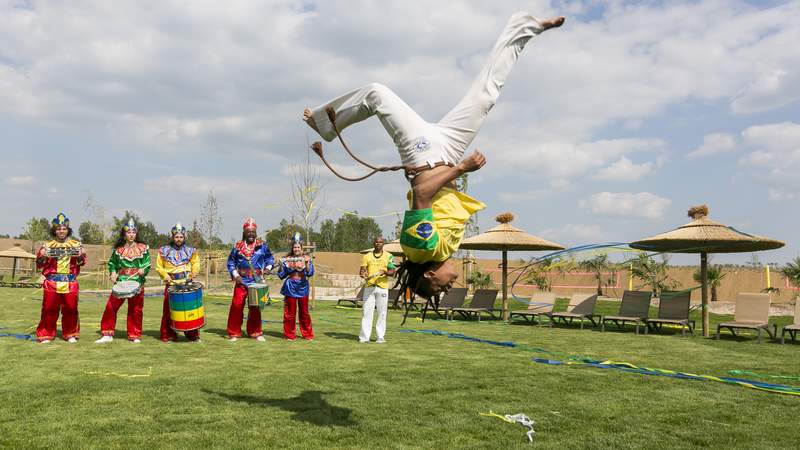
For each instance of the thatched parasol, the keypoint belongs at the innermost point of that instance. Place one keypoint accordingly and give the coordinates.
(16, 252)
(392, 247)
(505, 237)
(703, 235)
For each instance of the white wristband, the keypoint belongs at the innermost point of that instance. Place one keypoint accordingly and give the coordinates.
(235, 273)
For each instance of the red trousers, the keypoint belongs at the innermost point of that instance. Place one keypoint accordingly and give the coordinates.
(290, 312)
(135, 313)
(236, 315)
(52, 304)
(167, 333)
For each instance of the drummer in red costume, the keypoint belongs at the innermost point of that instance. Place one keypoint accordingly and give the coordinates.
(249, 261)
(177, 263)
(60, 261)
(130, 261)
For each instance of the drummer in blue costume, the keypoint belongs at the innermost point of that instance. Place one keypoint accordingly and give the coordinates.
(177, 263)
(250, 260)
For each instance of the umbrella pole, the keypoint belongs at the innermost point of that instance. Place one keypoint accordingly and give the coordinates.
(505, 289)
(704, 291)
(13, 269)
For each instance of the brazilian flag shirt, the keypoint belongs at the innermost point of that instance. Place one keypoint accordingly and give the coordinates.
(433, 234)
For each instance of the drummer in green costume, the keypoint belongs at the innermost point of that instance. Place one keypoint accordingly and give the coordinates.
(130, 261)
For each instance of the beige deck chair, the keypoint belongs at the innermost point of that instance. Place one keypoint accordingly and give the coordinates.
(673, 309)
(581, 306)
(634, 308)
(792, 329)
(355, 301)
(541, 304)
(482, 301)
(454, 298)
(752, 312)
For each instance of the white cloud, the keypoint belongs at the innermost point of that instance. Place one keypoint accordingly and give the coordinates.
(713, 144)
(16, 181)
(572, 234)
(642, 205)
(523, 196)
(624, 170)
(774, 158)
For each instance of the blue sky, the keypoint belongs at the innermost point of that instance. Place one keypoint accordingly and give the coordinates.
(608, 129)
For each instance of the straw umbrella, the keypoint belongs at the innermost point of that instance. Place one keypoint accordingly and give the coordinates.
(16, 252)
(505, 237)
(704, 236)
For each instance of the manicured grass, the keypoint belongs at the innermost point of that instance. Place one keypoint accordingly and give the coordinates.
(416, 391)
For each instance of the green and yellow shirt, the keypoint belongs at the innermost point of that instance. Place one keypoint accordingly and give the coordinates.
(374, 266)
(433, 234)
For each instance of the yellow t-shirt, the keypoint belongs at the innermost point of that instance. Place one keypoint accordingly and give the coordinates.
(375, 265)
(435, 233)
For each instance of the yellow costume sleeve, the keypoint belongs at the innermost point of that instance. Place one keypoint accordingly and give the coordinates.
(160, 268)
(194, 264)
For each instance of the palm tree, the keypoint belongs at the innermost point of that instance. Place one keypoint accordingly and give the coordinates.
(714, 276)
(599, 266)
(653, 273)
(792, 272)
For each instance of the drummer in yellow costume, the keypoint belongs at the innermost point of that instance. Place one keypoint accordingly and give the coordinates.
(177, 263)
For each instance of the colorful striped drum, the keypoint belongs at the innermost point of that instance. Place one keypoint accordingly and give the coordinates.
(186, 307)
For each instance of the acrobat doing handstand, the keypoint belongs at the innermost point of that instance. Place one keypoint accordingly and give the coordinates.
(431, 155)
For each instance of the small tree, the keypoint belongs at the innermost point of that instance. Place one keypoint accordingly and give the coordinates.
(653, 273)
(792, 272)
(91, 233)
(210, 221)
(37, 229)
(602, 269)
(714, 276)
(479, 280)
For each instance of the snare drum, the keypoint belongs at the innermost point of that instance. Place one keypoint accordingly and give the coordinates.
(186, 306)
(257, 295)
(126, 289)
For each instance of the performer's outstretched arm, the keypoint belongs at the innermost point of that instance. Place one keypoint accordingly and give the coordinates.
(428, 183)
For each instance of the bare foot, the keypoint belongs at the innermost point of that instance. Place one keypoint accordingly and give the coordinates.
(309, 120)
(552, 23)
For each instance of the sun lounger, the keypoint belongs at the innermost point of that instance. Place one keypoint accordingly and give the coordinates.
(581, 306)
(482, 301)
(454, 298)
(355, 301)
(792, 329)
(541, 304)
(752, 312)
(673, 309)
(634, 308)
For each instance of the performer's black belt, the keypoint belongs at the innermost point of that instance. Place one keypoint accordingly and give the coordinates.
(178, 275)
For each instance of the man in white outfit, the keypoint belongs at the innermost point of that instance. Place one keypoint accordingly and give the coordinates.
(375, 267)
(431, 153)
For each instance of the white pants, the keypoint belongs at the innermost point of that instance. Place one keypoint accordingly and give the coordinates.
(374, 296)
(420, 142)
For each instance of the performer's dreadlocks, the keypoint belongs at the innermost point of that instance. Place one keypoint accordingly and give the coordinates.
(412, 275)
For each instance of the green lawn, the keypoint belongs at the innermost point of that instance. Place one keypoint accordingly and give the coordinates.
(416, 391)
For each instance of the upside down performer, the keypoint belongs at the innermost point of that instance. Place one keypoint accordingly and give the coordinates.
(130, 261)
(177, 263)
(60, 261)
(431, 155)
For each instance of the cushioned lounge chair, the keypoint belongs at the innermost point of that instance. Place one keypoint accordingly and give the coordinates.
(482, 302)
(581, 306)
(793, 328)
(751, 313)
(634, 308)
(673, 309)
(541, 304)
